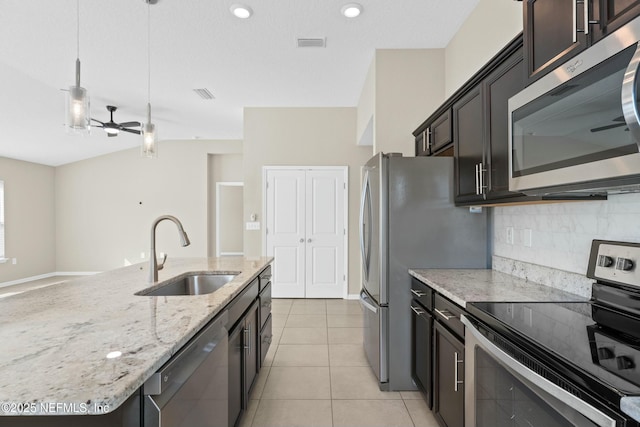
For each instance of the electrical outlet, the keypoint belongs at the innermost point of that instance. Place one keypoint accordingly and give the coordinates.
(509, 235)
(142, 255)
(253, 225)
(14, 261)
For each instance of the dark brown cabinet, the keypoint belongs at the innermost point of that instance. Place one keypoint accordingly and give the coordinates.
(556, 30)
(448, 405)
(421, 342)
(481, 134)
(468, 139)
(553, 32)
(504, 82)
(435, 135)
(249, 339)
(612, 14)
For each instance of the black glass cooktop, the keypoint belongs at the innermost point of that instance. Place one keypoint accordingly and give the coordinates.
(593, 344)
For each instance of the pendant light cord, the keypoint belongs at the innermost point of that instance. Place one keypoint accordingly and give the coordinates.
(148, 61)
(78, 29)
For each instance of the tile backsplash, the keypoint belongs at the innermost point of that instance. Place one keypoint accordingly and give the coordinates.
(559, 235)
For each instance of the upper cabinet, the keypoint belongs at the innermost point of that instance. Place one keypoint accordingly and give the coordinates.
(556, 30)
(435, 136)
(480, 127)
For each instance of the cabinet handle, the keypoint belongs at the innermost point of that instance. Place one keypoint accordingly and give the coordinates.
(429, 138)
(419, 294)
(424, 141)
(247, 338)
(587, 22)
(456, 381)
(417, 310)
(575, 21)
(481, 171)
(446, 314)
(477, 181)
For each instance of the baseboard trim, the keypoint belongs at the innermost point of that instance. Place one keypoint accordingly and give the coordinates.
(353, 296)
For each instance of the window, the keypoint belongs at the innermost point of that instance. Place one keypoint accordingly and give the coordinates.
(1, 220)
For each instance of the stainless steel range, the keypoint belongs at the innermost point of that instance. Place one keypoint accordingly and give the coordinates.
(560, 364)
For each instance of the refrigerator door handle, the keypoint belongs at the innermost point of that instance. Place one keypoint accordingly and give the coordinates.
(369, 226)
(363, 251)
(364, 300)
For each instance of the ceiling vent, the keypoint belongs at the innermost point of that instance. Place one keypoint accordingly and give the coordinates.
(204, 93)
(302, 42)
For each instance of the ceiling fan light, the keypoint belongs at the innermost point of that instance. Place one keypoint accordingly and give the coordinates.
(241, 11)
(351, 10)
(111, 131)
(149, 140)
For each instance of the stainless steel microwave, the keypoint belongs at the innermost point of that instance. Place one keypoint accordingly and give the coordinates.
(578, 128)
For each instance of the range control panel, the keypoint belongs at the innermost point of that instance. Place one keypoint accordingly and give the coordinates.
(616, 356)
(617, 262)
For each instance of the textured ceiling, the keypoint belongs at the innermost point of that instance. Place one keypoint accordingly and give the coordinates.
(194, 44)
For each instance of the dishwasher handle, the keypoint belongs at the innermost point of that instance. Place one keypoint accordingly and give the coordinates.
(172, 374)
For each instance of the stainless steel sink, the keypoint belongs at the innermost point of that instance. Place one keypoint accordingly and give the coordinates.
(191, 284)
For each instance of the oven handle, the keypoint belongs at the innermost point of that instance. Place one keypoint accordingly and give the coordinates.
(562, 395)
(628, 96)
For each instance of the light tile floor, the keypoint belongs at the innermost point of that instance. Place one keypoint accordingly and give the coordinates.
(316, 374)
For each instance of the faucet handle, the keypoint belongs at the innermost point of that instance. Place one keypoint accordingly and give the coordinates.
(161, 265)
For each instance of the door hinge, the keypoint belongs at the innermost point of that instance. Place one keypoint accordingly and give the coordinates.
(267, 184)
(344, 185)
(344, 277)
(344, 231)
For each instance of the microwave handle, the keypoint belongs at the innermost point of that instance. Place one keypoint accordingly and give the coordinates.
(628, 96)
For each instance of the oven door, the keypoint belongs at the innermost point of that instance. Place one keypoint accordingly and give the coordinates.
(500, 391)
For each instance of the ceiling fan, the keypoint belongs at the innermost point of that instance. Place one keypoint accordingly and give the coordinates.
(112, 128)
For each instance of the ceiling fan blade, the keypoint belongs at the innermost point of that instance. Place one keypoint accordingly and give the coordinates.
(96, 120)
(601, 128)
(129, 124)
(137, 132)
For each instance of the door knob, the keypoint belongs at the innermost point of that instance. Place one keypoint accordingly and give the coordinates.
(309, 241)
(301, 240)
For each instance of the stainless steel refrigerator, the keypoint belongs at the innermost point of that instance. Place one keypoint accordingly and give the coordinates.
(408, 220)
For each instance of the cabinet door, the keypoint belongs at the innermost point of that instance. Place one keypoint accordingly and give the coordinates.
(612, 15)
(499, 86)
(448, 406)
(421, 144)
(421, 355)
(236, 349)
(251, 350)
(553, 32)
(468, 140)
(440, 132)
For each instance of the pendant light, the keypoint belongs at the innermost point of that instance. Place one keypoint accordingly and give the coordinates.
(149, 134)
(77, 100)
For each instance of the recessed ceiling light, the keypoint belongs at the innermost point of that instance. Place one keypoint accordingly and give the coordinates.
(114, 354)
(351, 10)
(241, 11)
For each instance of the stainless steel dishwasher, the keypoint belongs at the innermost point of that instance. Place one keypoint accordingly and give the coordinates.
(191, 389)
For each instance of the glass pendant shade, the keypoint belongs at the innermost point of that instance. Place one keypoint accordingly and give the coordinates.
(149, 137)
(77, 107)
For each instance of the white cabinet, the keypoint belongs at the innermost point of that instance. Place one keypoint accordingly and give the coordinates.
(306, 231)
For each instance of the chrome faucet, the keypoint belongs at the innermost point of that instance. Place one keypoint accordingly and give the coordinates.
(153, 262)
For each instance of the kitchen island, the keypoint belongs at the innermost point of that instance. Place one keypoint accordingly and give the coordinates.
(86, 346)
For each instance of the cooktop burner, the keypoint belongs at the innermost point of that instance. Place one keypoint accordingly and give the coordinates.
(597, 342)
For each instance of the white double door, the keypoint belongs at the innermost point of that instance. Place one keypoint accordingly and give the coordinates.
(305, 231)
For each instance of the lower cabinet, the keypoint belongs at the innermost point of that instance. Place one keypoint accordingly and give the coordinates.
(448, 384)
(249, 340)
(422, 322)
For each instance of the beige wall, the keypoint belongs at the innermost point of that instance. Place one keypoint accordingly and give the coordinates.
(105, 205)
(222, 167)
(30, 219)
(367, 108)
(305, 137)
(409, 87)
(491, 25)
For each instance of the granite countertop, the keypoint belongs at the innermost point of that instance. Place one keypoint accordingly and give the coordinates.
(55, 340)
(474, 285)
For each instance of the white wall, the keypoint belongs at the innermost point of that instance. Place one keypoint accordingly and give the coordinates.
(105, 205)
(491, 25)
(222, 167)
(303, 137)
(409, 86)
(29, 219)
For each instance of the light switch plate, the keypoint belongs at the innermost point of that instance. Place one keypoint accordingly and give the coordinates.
(253, 225)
